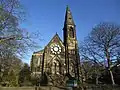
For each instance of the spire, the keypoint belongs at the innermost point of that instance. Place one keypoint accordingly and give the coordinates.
(68, 17)
(67, 8)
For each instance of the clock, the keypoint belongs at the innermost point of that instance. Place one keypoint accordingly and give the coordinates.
(55, 49)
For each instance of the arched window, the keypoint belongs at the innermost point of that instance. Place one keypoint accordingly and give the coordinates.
(60, 68)
(57, 67)
(71, 32)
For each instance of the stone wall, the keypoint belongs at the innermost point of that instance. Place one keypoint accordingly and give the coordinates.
(56, 88)
(17, 88)
(31, 88)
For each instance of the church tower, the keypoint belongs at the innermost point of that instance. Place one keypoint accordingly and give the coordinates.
(71, 44)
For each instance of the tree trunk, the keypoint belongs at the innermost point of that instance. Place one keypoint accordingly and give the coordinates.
(112, 78)
(96, 80)
(109, 63)
(96, 73)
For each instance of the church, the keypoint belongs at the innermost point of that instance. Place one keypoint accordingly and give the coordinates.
(59, 60)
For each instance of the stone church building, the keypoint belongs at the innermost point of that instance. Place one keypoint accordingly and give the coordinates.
(59, 59)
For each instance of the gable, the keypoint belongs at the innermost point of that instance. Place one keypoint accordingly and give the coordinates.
(56, 40)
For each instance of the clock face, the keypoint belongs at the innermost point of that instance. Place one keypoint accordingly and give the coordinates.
(55, 49)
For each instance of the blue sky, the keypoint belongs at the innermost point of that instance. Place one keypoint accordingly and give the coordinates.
(47, 17)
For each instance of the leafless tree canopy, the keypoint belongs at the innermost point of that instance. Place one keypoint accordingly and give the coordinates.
(103, 40)
(103, 45)
(13, 38)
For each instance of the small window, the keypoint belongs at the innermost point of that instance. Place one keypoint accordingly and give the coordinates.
(71, 32)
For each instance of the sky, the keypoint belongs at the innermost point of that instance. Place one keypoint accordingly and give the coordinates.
(47, 17)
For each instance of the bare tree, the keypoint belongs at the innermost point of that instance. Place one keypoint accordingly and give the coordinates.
(103, 45)
(14, 40)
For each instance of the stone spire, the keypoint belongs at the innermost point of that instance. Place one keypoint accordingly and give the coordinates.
(68, 17)
(69, 31)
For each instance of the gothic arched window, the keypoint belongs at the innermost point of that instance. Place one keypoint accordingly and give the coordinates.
(71, 32)
(57, 67)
